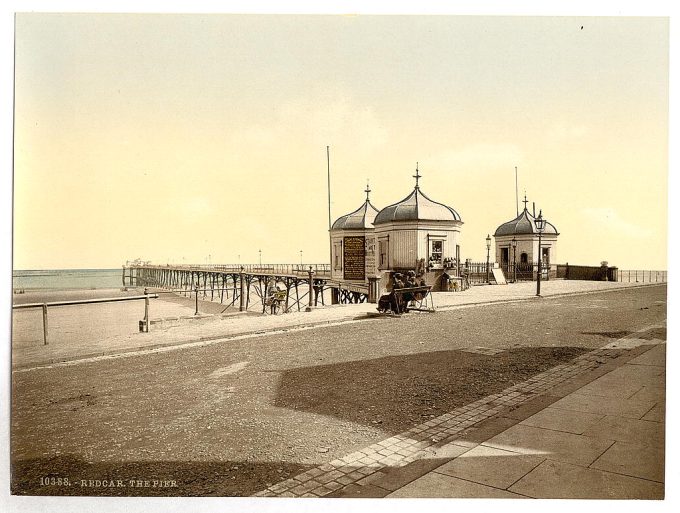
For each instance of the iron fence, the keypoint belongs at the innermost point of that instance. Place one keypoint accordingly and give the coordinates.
(520, 271)
(641, 276)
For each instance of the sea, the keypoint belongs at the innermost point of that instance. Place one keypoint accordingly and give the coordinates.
(67, 279)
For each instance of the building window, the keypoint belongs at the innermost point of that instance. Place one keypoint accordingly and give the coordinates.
(436, 252)
(337, 252)
(383, 247)
(545, 256)
(523, 258)
(504, 255)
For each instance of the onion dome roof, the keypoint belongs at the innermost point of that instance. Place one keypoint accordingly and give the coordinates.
(524, 224)
(417, 207)
(361, 219)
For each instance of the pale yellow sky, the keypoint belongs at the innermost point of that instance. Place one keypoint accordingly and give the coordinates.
(188, 137)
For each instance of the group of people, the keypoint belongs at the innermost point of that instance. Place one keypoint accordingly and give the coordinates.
(398, 301)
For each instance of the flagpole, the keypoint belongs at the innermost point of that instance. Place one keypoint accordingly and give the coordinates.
(330, 240)
(516, 193)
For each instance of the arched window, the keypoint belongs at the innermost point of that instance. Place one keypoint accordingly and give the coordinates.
(523, 258)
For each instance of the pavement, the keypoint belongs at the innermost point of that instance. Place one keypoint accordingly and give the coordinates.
(74, 344)
(592, 428)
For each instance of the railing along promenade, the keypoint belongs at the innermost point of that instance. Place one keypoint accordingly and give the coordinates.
(45, 306)
(642, 276)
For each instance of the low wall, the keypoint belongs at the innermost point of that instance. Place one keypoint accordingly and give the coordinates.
(586, 272)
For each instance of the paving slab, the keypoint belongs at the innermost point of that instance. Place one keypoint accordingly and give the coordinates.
(623, 429)
(559, 420)
(656, 414)
(650, 393)
(612, 386)
(655, 356)
(634, 408)
(560, 480)
(490, 466)
(643, 374)
(554, 445)
(636, 460)
(443, 486)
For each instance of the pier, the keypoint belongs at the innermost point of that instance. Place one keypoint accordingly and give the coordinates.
(303, 285)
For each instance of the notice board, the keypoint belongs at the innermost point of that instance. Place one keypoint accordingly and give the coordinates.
(499, 276)
(354, 258)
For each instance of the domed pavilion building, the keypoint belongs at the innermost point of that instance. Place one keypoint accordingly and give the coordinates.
(418, 233)
(353, 244)
(517, 244)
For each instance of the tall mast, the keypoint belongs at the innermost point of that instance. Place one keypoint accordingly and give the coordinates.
(516, 193)
(330, 240)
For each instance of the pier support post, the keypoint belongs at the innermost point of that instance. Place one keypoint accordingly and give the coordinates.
(311, 289)
(146, 310)
(44, 311)
(241, 296)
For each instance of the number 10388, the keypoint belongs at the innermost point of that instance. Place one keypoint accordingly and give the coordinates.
(54, 481)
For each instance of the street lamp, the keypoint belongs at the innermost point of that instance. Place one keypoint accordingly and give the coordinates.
(540, 226)
(514, 260)
(488, 249)
(300, 258)
(260, 251)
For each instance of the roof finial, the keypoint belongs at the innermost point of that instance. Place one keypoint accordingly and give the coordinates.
(417, 176)
(367, 190)
(525, 200)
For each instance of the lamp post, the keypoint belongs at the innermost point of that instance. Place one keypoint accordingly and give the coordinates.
(514, 260)
(260, 251)
(540, 225)
(488, 249)
(300, 258)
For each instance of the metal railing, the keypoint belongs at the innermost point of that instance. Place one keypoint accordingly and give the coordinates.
(72, 302)
(641, 276)
(280, 269)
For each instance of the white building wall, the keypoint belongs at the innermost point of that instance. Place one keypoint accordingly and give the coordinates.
(409, 242)
(526, 244)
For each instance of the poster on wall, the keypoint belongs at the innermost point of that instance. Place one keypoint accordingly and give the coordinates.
(354, 258)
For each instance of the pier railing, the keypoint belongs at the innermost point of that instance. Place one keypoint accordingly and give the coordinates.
(319, 270)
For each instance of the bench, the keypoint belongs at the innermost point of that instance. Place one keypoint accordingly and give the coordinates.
(274, 302)
(419, 297)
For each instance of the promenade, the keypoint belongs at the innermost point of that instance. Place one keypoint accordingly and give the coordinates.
(82, 340)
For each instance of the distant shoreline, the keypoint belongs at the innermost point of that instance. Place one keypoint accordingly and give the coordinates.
(66, 279)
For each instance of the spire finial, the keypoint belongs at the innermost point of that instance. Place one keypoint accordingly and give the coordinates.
(417, 176)
(367, 190)
(525, 200)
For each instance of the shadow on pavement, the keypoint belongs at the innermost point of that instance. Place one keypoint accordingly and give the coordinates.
(396, 392)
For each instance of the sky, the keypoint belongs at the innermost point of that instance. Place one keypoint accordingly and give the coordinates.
(202, 138)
